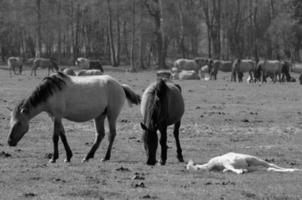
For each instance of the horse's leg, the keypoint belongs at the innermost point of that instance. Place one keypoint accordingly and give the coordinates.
(61, 130)
(55, 140)
(99, 135)
(112, 127)
(20, 69)
(178, 147)
(163, 144)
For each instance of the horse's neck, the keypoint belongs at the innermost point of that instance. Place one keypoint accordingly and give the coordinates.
(34, 111)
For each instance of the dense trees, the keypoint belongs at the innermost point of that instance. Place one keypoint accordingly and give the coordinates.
(142, 33)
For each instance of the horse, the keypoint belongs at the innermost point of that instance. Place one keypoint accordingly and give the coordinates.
(69, 72)
(162, 105)
(13, 63)
(272, 68)
(219, 65)
(163, 74)
(89, 72)
(239, 67)
(85, 63)
(48, 63)
(238, 163)
(187, 75)
(190, 64)
(285, 71)
(77, 99)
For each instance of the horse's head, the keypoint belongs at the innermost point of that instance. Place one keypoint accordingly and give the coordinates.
(150, 143)
(19, 124)
(155, 115)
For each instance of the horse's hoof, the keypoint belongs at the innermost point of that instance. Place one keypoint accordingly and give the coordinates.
(162, 163)
(104, 159)
(181, 159)
(84, 160)
(66, 160)
(52, 161)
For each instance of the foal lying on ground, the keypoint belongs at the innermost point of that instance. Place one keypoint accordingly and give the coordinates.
(238, 163)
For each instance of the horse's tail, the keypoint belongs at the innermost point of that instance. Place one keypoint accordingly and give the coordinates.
(131, 96)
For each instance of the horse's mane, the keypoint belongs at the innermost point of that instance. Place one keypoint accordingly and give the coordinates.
(154, 107)
(42, 92)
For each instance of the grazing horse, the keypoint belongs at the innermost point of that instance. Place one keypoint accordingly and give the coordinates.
(238, 163)
(162, 105)
(77, 99)
(89, 72)
(221, 65)
(285, 71)
(69, 72)
(272, 68)
(48, 63)
(89, 64)
(239, 67)
(13, 63)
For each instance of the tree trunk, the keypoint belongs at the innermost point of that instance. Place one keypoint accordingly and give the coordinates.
(156, 13)
(77, 32)
(110, 36)
(59, 50)
(38, 30)
(132, 52)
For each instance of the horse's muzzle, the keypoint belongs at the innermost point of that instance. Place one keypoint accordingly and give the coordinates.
(11, 143)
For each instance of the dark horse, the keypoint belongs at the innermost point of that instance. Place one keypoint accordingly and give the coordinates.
(162, 105)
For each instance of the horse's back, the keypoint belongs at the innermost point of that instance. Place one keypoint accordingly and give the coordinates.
(186, 64)
(13, 61)
(272, 66)
(88, 97)
(244, 65)
(225, 66)
(175, 101)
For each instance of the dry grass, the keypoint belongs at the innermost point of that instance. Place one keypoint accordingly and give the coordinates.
(263, 120)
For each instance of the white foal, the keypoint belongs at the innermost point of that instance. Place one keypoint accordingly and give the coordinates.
(238, 163)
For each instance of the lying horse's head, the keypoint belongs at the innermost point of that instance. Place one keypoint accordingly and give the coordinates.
(19, 124)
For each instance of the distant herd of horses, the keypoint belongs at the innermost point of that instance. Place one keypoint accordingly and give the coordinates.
(79, 98)
(93, 67)
(258, 71)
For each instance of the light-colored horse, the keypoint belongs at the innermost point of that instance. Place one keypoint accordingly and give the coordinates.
(69, 72)
(239, 67)
(163, 74)
(48, 63)
(77, 99)
(86, 63)
(187, 75)
(238, 163)
(162, 105)
(89, 72)
(13, 63)
(190, 64)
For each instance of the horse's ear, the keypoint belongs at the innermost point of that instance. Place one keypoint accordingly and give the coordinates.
(144, 127)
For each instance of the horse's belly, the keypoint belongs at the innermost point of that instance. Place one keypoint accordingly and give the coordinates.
(86, 106)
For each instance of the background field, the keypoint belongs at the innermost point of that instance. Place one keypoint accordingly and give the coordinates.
(262, 120)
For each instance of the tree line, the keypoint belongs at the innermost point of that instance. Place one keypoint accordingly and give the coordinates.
(142, 33)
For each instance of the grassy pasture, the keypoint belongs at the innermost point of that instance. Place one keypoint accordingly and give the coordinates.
(262, 120)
